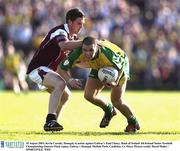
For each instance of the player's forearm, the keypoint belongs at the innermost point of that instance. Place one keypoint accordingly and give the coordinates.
(64, 74)
(69, 45)
(74, 83)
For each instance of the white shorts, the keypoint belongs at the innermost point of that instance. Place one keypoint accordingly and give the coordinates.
(37, 78)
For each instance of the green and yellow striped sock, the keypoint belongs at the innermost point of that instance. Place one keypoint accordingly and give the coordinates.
(108, 108)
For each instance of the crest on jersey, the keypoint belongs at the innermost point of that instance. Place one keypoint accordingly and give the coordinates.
(66, 62)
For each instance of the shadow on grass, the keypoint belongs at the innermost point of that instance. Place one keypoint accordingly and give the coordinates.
(87, 133)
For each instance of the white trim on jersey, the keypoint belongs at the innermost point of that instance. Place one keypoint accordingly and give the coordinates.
(58, 32)
(66, 28)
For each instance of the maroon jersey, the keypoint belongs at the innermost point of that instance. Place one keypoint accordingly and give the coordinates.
(49, 53)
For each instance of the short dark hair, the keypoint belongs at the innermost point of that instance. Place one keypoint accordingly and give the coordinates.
(89, 40)
(73, 14)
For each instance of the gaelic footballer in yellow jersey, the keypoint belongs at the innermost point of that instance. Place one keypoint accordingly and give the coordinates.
(96, 54)
(107, 55)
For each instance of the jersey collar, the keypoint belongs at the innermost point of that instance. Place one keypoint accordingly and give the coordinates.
(67, 30)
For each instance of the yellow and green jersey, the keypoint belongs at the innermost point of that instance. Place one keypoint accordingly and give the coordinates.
(109, 55)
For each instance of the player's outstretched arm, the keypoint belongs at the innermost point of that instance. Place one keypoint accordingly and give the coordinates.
(74, 83)
(69, 45)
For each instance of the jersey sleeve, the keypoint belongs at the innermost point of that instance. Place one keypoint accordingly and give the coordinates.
(59, 35)
(69, 62)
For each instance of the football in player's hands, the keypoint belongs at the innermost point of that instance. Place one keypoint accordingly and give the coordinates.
(108, 75)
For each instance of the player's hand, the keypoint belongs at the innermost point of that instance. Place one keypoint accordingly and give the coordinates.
(67, 52)
(75, 83)
(111, 85)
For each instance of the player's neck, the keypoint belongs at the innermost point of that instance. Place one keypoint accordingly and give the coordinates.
(70, 31)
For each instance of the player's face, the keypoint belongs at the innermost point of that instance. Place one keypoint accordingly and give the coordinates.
(76, 25)
(89, 51)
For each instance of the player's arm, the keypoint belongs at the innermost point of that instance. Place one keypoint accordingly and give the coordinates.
(69, 45)
(66, 65)
(117, 62)
(60, 36)
(120, 73)
(75, 83)
(114, 84)
(64, 74)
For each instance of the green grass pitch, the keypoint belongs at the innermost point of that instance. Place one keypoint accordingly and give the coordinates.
(22, 117)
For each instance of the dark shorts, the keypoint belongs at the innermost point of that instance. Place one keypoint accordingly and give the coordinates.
(94, 74)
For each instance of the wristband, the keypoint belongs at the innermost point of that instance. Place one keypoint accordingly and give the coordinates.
(70, 80)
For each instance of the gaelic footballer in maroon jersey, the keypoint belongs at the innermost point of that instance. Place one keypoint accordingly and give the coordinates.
(49, 53)
(42, 68)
